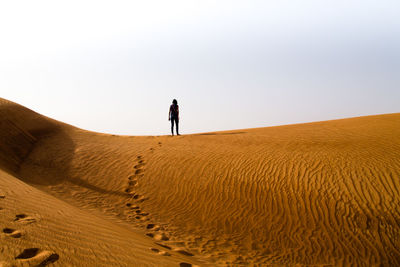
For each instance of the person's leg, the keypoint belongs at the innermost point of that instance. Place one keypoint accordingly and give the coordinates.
(177, 126)
(172, 126)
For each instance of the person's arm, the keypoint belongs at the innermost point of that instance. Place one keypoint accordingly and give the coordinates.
(177, 110)
(169, 114)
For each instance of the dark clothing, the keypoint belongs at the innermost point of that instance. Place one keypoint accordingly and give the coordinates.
(174, 117)
(174, 111)
(176, 120)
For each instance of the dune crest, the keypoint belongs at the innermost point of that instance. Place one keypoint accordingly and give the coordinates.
(323, 193)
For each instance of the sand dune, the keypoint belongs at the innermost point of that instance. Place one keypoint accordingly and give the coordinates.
(324, 193)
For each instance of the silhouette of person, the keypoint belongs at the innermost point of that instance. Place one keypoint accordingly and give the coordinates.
(173, 116)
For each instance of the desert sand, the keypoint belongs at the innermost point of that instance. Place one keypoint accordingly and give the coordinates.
(313, 194)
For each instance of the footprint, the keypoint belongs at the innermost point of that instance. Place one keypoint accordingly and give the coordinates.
(133, 183)
(184, 252)
(138, 212)
(52, 258)
(133, 178)
(141, 218)
(161, 237)
(134, 197)
(12, 232)
(152, 226)
(162, 253)
(138, 166)
(25, 219)
(130, 192)
(185, 264)
(139, 198)
(138, 171)
(37, 257)
(28, 253)
(162, 245)
(130, 205)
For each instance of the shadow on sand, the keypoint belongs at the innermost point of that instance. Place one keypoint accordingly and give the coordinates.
(38, 150)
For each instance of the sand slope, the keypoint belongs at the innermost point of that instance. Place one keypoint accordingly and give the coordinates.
(38, 229)
(52, 231)
(324, 193)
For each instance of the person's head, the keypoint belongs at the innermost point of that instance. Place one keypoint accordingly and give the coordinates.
(174, 102)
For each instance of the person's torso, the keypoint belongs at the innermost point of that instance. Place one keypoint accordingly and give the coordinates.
(174, 111)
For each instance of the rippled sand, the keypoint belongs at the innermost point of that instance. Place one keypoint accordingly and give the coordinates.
(323, 193)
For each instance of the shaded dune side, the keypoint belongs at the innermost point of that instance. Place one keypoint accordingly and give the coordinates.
(81, 168)
(29, 138)
(21, 128)
(318, 193)
(43, 152)
(19, 144)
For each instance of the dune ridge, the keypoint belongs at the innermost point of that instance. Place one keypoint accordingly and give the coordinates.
(323, 193)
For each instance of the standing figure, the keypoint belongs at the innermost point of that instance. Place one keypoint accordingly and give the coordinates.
(173, 116)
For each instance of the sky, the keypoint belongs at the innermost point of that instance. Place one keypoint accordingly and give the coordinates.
(115, 66)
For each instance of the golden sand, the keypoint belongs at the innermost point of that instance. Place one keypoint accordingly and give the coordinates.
(323, 193)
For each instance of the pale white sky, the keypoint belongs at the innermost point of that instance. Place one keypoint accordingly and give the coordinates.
(115, 66)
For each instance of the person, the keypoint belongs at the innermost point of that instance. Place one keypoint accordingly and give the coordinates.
(173, 116)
